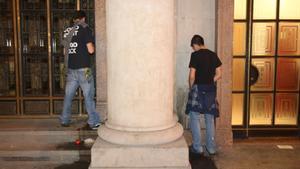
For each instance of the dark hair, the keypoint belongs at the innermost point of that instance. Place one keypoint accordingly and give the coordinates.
(197, 40)
(79, 15)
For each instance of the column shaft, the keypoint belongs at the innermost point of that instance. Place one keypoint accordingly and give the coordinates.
(140, 69)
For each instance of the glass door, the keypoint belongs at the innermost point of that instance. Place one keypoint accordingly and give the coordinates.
(266, 34)
(34, 56)
(8, 56)
(61, 18)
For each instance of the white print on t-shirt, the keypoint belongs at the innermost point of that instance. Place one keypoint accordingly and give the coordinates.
(68, 30)
(73, 45)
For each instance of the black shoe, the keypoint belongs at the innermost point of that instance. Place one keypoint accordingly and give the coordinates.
(210, 153)
(194, 152)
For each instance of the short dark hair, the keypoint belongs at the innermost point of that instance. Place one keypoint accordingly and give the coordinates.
(197, 40)
(79, 14)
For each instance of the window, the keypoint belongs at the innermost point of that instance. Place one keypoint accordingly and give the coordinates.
(289, 9)
(264, 9)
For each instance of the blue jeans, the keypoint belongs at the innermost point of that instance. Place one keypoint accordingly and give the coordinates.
(196, 132)
(76, 78)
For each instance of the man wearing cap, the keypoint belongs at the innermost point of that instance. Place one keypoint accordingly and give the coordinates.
(78, 42)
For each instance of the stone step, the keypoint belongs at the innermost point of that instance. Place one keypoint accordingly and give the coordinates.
(45, 149)
(39, 124)
(45, 157)
(43, 144)
(43, 165)
(43, 140)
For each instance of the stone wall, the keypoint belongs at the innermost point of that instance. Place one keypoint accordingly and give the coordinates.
(193, 17)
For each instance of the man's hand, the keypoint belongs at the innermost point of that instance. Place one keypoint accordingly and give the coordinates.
(90, 47)
(218, 74)
(192, 76)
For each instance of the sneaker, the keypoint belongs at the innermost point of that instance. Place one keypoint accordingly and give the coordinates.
(88, 127)
(95, 127)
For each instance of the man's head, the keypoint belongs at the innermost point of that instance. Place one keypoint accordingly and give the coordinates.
(79, 16)
(197, 42)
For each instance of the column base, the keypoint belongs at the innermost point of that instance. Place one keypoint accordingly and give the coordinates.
(174, 155)
(145, 138)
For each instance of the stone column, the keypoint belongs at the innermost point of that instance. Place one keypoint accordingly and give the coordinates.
(101, 70)
(224, 48)
(142, 130)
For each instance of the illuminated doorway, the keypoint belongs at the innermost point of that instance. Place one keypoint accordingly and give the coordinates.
(266, 67)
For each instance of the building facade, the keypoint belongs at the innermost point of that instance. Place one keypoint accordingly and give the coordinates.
(247, 37)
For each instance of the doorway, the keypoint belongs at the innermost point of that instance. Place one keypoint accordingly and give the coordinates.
(266, 67)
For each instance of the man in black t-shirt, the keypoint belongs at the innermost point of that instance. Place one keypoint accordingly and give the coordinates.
(205, 70)
(78, 49)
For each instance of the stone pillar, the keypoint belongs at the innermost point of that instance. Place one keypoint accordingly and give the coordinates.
(142, 130)
(101, 70)
(224, 49)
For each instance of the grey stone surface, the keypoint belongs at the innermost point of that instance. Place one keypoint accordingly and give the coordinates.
(49, 124)
(169, 156)
(49, 156)
(43, 143)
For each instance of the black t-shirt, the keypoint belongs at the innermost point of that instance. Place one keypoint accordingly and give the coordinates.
(79, 56)
(205, 62)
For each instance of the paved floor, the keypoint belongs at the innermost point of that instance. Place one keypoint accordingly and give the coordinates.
(42, 144)
(239, 156)
(260, 154)
(252, 153)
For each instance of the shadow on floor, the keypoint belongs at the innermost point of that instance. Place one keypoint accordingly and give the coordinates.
(76, 165)
(72, 146)
(202, 162)
(84, 159)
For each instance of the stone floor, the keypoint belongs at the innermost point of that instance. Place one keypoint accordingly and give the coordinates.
(260, 153)
(43, 144)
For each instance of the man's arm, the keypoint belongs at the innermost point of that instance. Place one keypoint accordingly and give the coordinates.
(218, 74)
(90, 47)
(192, 77)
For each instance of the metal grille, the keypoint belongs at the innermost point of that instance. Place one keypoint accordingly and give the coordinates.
(7, 50)
(33, 107)
(31, 56)
(58, 106)
(8, 107)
